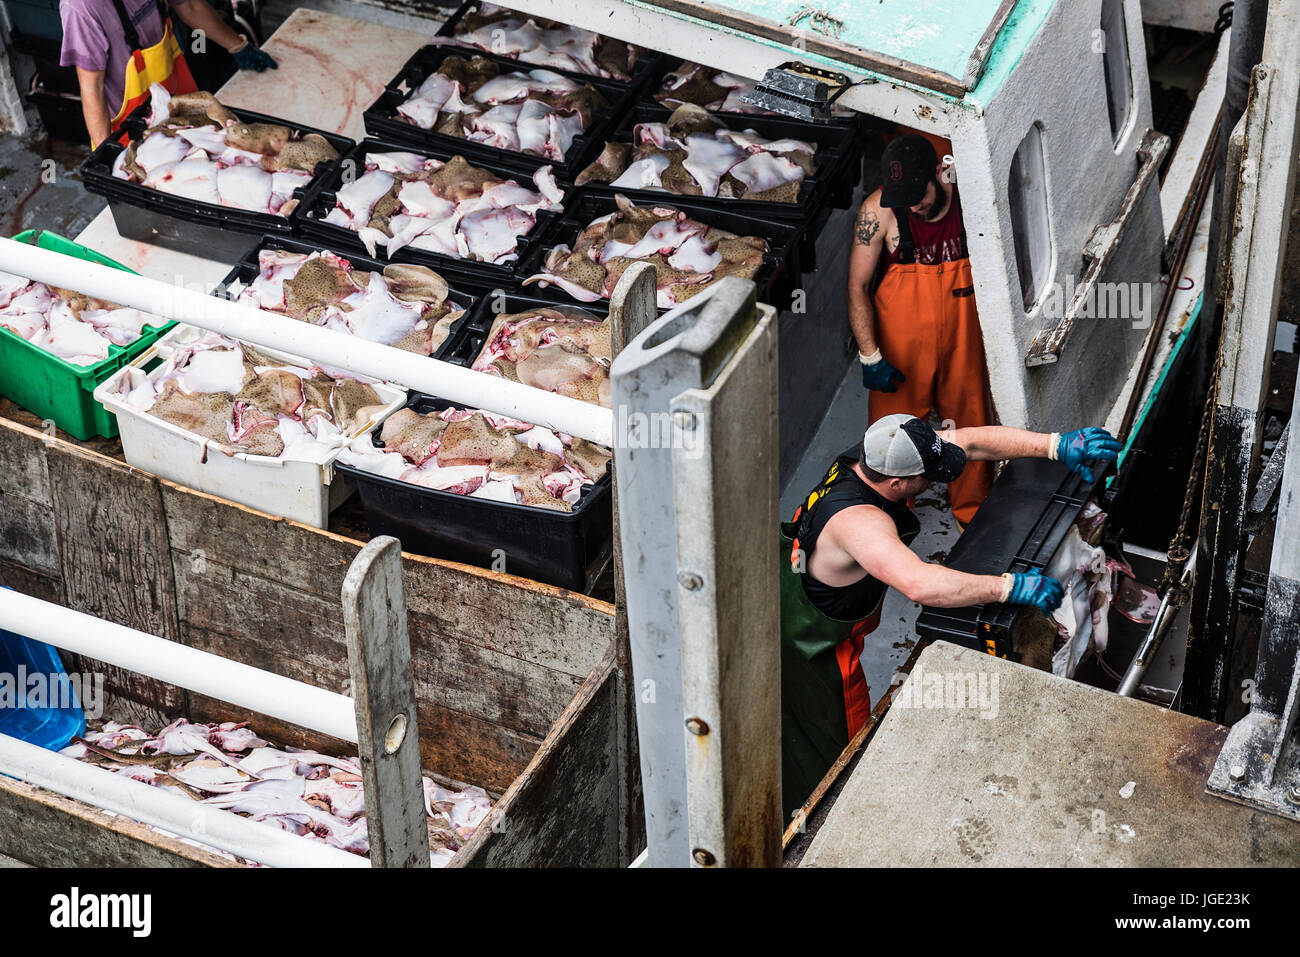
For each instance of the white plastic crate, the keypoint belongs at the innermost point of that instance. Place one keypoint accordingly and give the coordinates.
(305, 491)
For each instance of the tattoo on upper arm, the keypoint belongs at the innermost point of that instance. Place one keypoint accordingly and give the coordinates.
(868, 225)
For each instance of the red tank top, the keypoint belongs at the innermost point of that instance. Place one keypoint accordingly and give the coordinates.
(941, 241)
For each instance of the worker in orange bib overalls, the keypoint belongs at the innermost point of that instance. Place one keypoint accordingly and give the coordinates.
(121, 47)
(919, 336)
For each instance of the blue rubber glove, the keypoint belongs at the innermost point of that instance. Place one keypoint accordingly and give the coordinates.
(880, 376)
(1081, 446)
(1035, 588)
(251, 58)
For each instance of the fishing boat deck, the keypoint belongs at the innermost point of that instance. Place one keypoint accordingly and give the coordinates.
(1094, 780)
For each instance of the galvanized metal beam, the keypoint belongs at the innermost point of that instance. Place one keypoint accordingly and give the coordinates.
(1257, 227)
(1260, 761)
(697, 505)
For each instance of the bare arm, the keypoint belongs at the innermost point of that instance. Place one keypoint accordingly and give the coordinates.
(997, 443)
(94, 104)
(871, 539)
(868, 244)
(199, 16)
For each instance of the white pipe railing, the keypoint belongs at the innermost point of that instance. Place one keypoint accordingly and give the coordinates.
(324, 346)
(278, 697)
(215, 827)
(294, 701)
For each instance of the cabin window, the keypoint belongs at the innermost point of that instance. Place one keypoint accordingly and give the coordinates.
(1030, 229)
(1119, 88)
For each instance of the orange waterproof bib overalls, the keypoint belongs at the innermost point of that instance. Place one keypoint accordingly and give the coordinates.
(928, 327)
(161, 63)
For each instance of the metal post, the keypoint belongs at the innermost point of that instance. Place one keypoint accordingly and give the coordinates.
(379, 658)
(1256, 247)
(1260, 762)
(632, 307)
(695, 416)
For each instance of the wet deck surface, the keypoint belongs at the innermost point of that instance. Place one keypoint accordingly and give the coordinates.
(40, 187)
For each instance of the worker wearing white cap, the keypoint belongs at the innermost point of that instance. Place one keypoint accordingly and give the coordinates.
(848, 543)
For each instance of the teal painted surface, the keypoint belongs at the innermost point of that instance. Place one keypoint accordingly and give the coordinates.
(1160, 382)
(1022, 26)
(940, 34)
(936, 34)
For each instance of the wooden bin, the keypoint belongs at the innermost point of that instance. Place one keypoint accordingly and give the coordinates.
(517, 683)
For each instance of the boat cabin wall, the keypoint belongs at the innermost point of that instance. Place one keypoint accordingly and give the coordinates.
(1058, 93)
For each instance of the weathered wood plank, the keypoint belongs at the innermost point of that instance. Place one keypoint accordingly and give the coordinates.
(207, 527)
(507, 691)
(112, 541)
(23, 579)
(563, 810)
(27, 535)
(463, 746)
(470, 749)
(555, 628)
(383, 694)
(22, 463)
(215, 600)
(45, 829)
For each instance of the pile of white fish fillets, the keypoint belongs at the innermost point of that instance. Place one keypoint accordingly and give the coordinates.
(506, 33)
(451, 208)
(245, 401)
(482, 455)
(406, 305)
(692, 154)
(196, 148)
(314, 795)
(536, 112)
(67, 324)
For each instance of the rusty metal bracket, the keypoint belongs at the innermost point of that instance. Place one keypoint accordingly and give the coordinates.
(1099, 250)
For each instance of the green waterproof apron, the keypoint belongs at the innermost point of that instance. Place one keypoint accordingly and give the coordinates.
(824, 695)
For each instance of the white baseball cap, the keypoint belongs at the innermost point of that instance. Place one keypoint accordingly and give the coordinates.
(903, 446)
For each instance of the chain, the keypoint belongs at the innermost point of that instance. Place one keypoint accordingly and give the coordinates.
(1177, 554)
(1225, 19)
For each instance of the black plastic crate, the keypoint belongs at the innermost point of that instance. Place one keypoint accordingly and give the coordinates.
(831, 186)
(567, 549)
(460, 291)
(384, 122)
(60, 114)
(1020, 526)
(308, 218)
(201, 229)
(648, 64)
(36, 18)
(465, 342)
(776, 280)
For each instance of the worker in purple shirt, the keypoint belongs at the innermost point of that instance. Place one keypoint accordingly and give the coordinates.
(121, 47)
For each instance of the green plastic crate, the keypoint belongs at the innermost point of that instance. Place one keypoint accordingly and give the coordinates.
(53, 388)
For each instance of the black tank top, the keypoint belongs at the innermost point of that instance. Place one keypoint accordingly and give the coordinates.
(840, 489)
